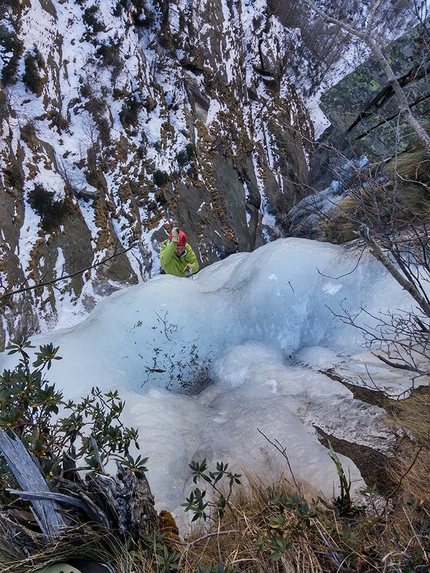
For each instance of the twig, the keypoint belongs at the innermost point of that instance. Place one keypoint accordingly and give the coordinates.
(50, 495)
(283, 451)
(402, 477)
(349, 272)
(204, 537)
(394, 364)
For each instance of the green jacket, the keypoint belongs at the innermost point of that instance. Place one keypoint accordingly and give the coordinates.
(174, 265)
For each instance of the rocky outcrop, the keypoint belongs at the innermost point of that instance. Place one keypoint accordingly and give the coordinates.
(366, 129)
(114, 118)
(364, 106)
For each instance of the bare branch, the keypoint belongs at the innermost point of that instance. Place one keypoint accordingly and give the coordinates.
(283, 452)
(409, 286)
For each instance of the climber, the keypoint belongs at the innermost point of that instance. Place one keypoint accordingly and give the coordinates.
(177, 257)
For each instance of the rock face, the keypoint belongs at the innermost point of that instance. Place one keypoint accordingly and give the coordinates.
(364, 106)
(115, 117)
(366, 128)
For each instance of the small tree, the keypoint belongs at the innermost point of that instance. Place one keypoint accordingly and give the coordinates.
(91, 19)
(50, 211)
(32, 78)
(10, 44)
(106, 516)
(388, 209)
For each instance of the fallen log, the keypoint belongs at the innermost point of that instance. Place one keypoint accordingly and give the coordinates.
(29, 476)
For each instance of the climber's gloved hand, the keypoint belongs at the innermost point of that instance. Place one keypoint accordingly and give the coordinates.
(175, 234)
(188, 271)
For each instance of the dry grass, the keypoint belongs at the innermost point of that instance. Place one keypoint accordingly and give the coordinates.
(24, 551)
(411, 466)
(411, 165)
(413, 415)
(391, 195)
(275, 525)
(387, 536)
(235, 543)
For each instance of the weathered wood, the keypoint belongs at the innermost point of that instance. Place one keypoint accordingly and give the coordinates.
(135, 504)
(93, 507)
(123, 503)
(29, 476)
(35, 495)
(129, 502)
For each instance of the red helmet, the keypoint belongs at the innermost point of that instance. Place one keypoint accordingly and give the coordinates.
(182, 239)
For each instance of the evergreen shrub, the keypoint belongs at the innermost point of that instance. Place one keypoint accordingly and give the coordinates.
(10, 44)
(51, 212)
(91, 20)
(31, 78)
(161, 178)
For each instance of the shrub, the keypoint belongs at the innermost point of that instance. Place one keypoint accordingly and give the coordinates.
(8, 38)
(11, 44)
(85, 89)
(51, 212)
(109, 51)
(13, 176)
(185, 156)
(14, 4)
(142, 16)
(265, 526)
(117, 10)
(57, 120)
(129, 112)
(29, 406)
(138, 10)
(110, 55)
(214, 509)
(160, 178)
(104, 131)
(31, 78)
(96, 106)
(91, 20)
